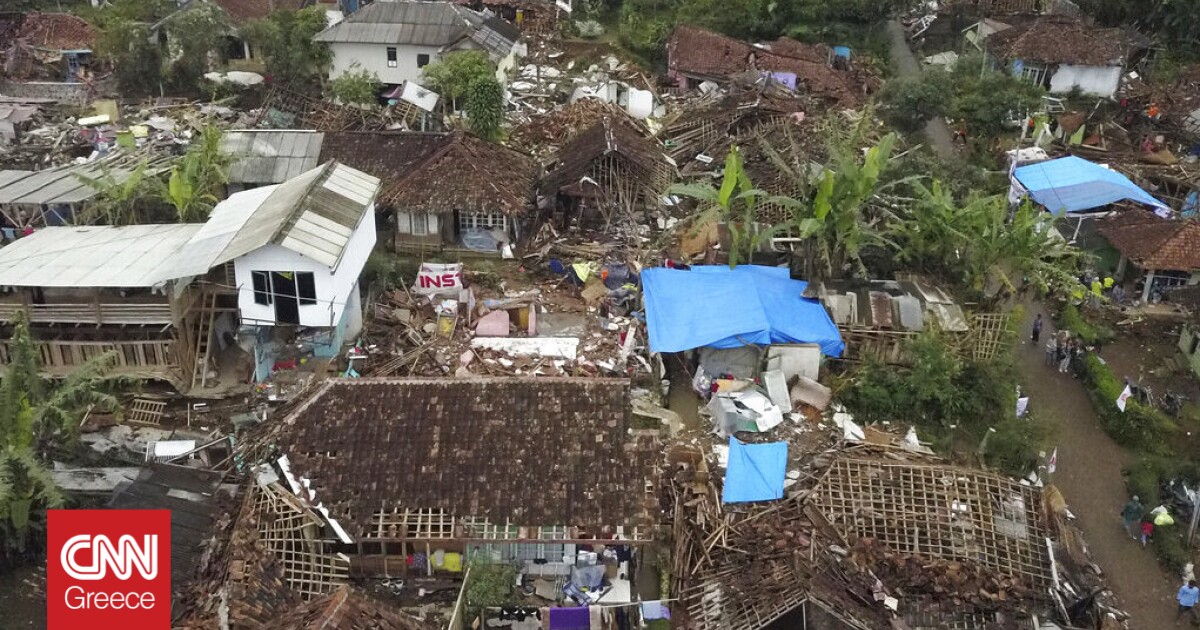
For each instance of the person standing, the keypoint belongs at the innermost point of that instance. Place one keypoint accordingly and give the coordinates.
(1037, 329)
(1187, 597)
(1132, 515)
(1147, 531)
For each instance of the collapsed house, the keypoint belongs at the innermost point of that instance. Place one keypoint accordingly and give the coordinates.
(878, 318)
(332, 502)
(445, 191)
(531, 16)
(176, 301)
(395, 40)
(1063, 53)
(439, 191)
(605, 172)
(866, 537)
(53, 47)
(696, 55)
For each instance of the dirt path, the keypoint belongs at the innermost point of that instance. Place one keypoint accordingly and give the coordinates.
(940, 138)
(1089, 475)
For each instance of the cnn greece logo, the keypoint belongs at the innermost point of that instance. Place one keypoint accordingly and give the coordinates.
(122, 557)
(109, 569)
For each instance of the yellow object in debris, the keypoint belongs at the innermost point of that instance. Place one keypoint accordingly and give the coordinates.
(1163, 518)
(452, 562)
(583, 270)
(139, 131)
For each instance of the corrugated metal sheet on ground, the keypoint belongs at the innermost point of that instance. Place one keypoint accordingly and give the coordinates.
(950, 317)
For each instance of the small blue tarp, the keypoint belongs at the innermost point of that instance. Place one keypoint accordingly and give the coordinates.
(755, 472)
(1073, 184)
(728, 308)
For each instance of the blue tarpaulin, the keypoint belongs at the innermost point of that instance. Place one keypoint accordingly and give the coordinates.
(755, 472)
(1073, 184)
(727, 308)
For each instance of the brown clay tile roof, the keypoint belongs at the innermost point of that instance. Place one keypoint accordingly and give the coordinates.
(56, 31)
(1060, 40)
(346, 609)
(536, 451)
(246, 10)
(695, 51)
(438, 172)
(1153, 242)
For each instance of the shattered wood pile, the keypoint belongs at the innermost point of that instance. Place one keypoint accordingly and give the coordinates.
(936, 558)
(544, 134)
(284, 108)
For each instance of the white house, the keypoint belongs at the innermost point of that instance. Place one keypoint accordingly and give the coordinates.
(396, 39)
(1063, 53)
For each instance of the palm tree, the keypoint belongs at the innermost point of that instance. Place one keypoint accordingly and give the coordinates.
(735, 204)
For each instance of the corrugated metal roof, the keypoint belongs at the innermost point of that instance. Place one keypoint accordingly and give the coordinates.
(94, 256)
(270, 156)
(412, 22)
(313, 215)
(56, 185)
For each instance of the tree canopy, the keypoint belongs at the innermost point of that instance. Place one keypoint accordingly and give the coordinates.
(285, 38)
(452, 75)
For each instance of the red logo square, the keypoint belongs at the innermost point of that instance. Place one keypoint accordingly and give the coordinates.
(109, 569)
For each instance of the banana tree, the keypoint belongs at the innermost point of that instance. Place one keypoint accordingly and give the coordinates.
(735, 204)
(119, 194)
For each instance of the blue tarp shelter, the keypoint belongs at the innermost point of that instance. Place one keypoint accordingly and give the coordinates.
(1073, 184)
(727, 308)
(755, 472)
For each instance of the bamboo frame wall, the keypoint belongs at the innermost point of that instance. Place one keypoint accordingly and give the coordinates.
(942, 512)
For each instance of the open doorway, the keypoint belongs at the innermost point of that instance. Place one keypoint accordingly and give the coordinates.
(287, 303)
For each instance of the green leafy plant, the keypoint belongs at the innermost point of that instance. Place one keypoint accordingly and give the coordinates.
(195, 184)
(485, 108)
(488, 586)
(735, 204)
(453, 74)
(907, 103)
(120, 195)
(285, 38)
(356, 86)
(195, 37)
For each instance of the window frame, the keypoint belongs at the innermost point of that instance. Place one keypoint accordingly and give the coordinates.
(260, 284)
(309, 297)
(421, 219)
(393, 56)
(425, 62)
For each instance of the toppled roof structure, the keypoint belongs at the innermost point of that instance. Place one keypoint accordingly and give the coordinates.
(191, 495)
(474, 449)
(1061, 40)
(422, 23)
(613, 161)
(868, 537)
(1153, 242)
(56, 32)
(346, 608)
(439, 172)
(1072, 184)
(703, 54)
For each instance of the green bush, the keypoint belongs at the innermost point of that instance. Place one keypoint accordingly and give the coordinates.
(908, 103)
(1016, 446)
(1071, 319)
(1139, 427)
(385, 271)
(1168, 545)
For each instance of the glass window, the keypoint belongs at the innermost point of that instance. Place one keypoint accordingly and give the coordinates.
(306, 287)
(422, 60)
(481, 220)
(420, 224)
(391, 56)
(262, 291)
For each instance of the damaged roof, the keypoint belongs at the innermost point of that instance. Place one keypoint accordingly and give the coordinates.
(1153, 242)
(696, 51)
(608, 135)
(1060, 39)
(313, 214)
(421, 23)
(57, 31)
(439, 172)
(248, 10)
(270, 156)
(347, 608)
(536, 451)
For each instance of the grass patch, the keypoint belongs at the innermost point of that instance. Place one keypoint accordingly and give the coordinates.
(1071, 319)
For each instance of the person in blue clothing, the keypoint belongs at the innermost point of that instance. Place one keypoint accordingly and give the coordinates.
(1188, 596)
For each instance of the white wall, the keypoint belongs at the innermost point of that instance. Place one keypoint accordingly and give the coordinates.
(1095, 80)
(373, 58)
(334, 289)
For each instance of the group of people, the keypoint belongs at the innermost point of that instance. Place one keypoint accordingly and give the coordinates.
(1137, 526)
(1062, 350)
